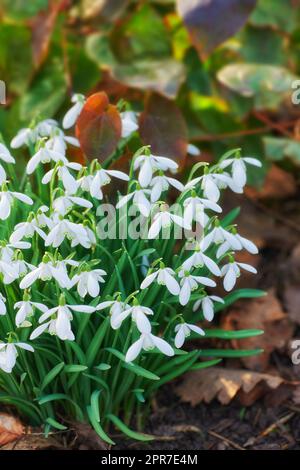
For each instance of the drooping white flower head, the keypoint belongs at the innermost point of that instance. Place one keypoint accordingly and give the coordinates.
(116, 308)
(60, 321)
(207, 305)
(193, 150)
(164, 219)
(63, 172)
(9, 354)
(129, 123)
(239, 170)
(46, 271)
(198, 259)
(161, 183)
(219, 235)
(2, 305)
(43, 155)
(138, 314)
(189, 283)
(183, 330)
(146, 342)
(210, 184)
(88, 282)
(64, 228)
(25, 310)
(231, 272)
(245, 243)
(6, 200)
(150, 163)
(102, 178)
(63, 204)
(194, 208)
(72, 114)
(7, 250)
(26, 230)
(165, 277)
(6, 157)
(139, 199)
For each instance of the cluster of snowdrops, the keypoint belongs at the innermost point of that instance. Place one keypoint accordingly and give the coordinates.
(73, 303)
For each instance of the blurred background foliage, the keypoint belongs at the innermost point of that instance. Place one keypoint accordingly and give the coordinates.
(216, 73)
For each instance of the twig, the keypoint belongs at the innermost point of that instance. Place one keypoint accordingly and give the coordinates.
(225, 439)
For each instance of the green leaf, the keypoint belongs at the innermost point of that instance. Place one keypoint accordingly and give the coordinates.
(98, 428)
(55, 424)
(95, 344)
(103, 366)
(138, 370)
(275, 13)
(230, 352)
(277, 148)
(95, 404)
(132, 434)
(73, 368)
(205, 364)
(240, 334)
(239, 294)
(52, 374)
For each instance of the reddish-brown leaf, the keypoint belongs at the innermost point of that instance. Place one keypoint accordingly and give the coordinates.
(10, 429)
(98, 127)
(163, 127)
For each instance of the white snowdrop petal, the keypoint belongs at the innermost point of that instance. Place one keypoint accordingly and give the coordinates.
(162, 345)
(134, 350)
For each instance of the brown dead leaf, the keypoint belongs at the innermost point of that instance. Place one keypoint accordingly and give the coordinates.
(279, 184)
(34, 442)
(10, 429)
(264, 313)
(223, 384)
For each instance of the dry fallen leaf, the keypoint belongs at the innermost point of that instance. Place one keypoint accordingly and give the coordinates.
(10, 429)
(266, 314)
(279, 184)
(223, 384)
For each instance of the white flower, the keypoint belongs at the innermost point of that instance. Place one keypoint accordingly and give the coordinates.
(193, 150)
(88, 282)
(25, 310)
(198, 260)
(207, 303)
(68, 180)
(2, 305)
(43, 155)
(102, 178)
(21, 267)
(219, 235)
(190, 283)
(183, 330)
(211, 184)
(27, 230)
(60, 322)
(71, 116)
(63, 204)
(42, 219)
(129, 123)
(161, 183)
(194, 207)
(164, 219)
(77, 233)
(150, 163)
(231, 272)
(245, 243)
(25, 136)
(116, 307)
(7, 158)
(46, 271)
(9, 354)
(139, 316)
(8, 249)
(164, 277)
(239, 169)
(139, 199)
(6, 200)
(148, 341)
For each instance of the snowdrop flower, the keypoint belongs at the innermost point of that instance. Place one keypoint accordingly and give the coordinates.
(63, 204)
(6, 200)
(25, 136)
(7, 250)
(46, 127)
(194, 207)
(165, 277)
(25, 309)
(210, 183)
(102, 178)
(245, 243)
(9, 354)
(193, 150)
(207, 304)
(71, 116)
(129, 123)
(164, 219)
(2, 305)
(27, 230)
(190, 283)
(88, 282)
(198, 260)
(8, 272)
(116, 307)
(139, 316)
(146, 342)
(150, 163)
(68, 180)
(77, 233)
(139, 199)
(46, 271)
(21, 266)
(7, 158)
(239, 169)
(161, 183)
(219, 235)
(43, 155)
(183, 330)
(231, 272)
(60, 321)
